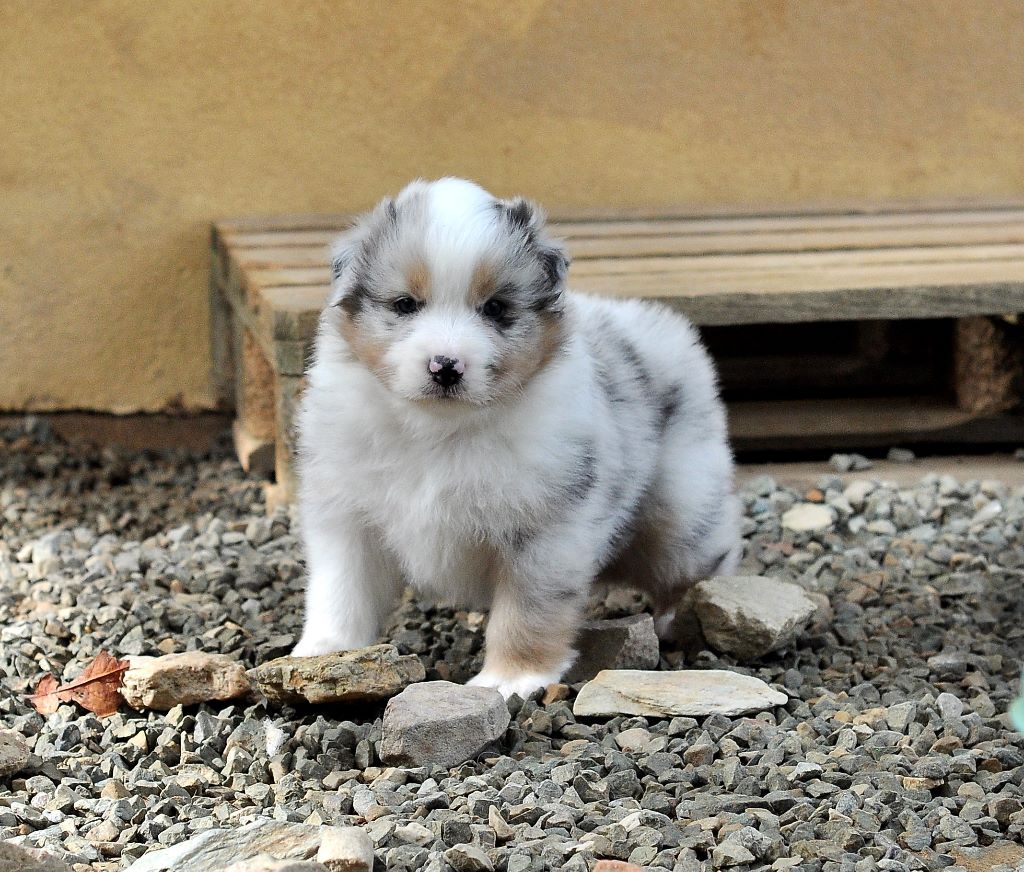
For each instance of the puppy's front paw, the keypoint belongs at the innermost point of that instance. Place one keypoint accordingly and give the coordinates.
(523, 684)
(314, 646)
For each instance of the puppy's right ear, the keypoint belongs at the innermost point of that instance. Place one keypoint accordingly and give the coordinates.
(344, 251)
(355, 246)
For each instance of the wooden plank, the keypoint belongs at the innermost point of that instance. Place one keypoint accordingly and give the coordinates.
(272, 223)
(1012, 256)
(812, 212)
(799, 223)
(290, 277)
(849, 424)
(292, 313)
(274, 257)
(988, 365)
(281, 238)
(627, 245)
(749, 420)
(683, 244)
(853, 304)
(803, 260)
(682, 282)
(287, 394)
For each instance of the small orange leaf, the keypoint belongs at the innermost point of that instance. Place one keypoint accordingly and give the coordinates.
(97, 689)
(45, 700)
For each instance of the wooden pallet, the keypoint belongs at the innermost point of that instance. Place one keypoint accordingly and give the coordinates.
(270, 277)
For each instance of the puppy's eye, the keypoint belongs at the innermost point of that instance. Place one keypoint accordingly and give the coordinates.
(406, 306)
(493, 309)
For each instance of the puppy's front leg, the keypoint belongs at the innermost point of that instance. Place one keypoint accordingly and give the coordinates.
(352, 586)
(532, 627)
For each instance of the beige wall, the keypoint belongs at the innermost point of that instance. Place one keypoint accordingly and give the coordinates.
(127, 126)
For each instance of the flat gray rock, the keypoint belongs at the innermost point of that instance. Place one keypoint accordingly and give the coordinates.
(217, 849)
(748, 616)
(617, 643)
(441, 723)
(686, 693)
(361, 675)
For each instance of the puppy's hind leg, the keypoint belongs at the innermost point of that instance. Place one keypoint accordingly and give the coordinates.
(352, 586)
(699, 523)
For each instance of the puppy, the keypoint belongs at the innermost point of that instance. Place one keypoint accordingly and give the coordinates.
(474, 429)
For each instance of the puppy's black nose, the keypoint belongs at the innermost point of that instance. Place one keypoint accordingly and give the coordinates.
(446, 371)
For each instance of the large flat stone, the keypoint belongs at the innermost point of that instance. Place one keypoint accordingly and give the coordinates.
(361, 675)
(686, 693)
(266, 863)
(216, 849)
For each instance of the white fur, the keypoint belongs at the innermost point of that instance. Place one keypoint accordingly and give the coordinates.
(396, 491)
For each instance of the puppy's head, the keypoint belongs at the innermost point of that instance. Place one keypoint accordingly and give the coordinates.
(448, 295)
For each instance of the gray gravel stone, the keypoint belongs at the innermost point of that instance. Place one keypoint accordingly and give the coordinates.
(14, 753)
(440, 723)
(749, 616)
(619, 643)
(468, 858)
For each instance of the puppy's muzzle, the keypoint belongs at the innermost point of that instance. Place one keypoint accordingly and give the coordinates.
(446, 371)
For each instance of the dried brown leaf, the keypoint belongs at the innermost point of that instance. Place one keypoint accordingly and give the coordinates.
(97, 689)
(45, 700)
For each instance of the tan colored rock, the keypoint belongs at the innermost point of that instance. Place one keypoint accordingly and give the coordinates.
(808, 518)
(686, 693)
(984, 859)
(346, 849)
(362, 675)
(183, 679)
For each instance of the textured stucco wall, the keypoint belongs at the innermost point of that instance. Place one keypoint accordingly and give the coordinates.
(126, 126)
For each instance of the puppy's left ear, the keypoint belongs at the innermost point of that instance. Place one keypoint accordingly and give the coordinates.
(529, 219)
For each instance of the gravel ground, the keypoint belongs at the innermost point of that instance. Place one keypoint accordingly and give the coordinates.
(893, 753)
